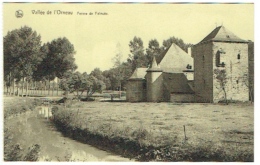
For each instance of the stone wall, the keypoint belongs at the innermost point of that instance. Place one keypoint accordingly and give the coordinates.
(154, 86)
(182, 98)
(136, 90)
(235, 58)
(251, 69)
(203, 73)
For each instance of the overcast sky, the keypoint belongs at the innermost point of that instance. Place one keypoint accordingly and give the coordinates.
(95, 36)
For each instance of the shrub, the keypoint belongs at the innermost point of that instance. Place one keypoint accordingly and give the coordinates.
(15, 152)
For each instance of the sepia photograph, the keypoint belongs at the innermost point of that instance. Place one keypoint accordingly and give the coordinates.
(128, 82)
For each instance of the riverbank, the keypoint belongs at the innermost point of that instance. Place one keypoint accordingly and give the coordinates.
(162, 131)
(37, 139)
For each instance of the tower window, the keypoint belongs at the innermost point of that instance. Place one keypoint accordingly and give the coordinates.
(219, 62)
(189, 66)
(238, 56)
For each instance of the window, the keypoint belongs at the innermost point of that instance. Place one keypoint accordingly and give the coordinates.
(144, 85)
(238, 56)
(189, 66)
(220, 63)
(217, 59)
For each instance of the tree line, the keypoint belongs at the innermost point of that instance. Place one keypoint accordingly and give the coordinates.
(29, 63)
(116, 77)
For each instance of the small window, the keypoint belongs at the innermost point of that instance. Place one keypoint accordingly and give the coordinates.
(204, 83)
(144, 85)
(238, 56)
(189, 66)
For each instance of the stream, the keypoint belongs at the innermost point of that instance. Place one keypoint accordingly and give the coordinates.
(35, 128)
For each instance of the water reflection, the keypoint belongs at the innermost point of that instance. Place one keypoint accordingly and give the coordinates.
(45, 111)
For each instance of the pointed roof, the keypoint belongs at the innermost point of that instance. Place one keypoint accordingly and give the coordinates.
(174, 59)
(222, 34)
(139, 73)
(154, 67)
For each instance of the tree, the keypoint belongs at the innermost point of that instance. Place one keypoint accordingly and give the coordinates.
(94, 85)
(137, 57)
(167, 43)
(58, 59)
(153, 50)
(221, 78)
(98, 74)
(248, 80)
(118, 70)
(78, 83)
(21, 53)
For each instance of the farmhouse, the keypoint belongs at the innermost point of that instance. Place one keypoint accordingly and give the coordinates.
(171, 76)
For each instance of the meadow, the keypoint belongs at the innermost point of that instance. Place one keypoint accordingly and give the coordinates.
(163, 131)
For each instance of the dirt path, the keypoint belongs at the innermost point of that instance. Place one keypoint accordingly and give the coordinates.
(34, 129)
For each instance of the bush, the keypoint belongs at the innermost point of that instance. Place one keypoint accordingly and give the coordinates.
(15, 152)
(19, 106)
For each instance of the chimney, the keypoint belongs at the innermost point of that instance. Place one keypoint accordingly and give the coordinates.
(189, 51)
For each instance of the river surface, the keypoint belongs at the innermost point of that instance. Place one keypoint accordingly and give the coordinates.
(35, 128)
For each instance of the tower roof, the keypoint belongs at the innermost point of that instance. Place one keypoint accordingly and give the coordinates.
(222, 34)
(139, 73)
(174, 59)
(154, 67)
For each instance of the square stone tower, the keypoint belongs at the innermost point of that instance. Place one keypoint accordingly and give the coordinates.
(218, 51)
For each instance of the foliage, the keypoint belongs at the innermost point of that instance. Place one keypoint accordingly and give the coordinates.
(248, 81)
(58, 59)
(79, 83)
(19, 107)
(137, 57)
(21, 53)
(178, 41)
(15, 152)
(221, 77)
(153, 50)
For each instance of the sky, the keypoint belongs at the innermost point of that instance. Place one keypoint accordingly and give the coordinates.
(95, 36)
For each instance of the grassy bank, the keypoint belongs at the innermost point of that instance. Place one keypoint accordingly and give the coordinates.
(155, 132)
(16, 107)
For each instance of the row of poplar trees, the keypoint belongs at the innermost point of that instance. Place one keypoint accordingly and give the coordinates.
(28, 62)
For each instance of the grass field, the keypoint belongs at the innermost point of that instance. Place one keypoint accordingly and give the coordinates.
(202, 121)
(229, 127)
(214, 131)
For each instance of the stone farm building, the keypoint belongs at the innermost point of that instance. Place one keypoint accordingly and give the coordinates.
(177, 76)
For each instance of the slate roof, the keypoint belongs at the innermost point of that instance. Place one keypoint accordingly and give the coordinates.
(154, 67)
(174, 59)
(176, 83)
(139, 73)
(222, 34)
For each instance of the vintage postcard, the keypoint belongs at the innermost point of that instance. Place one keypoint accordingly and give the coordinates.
(128, 82)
